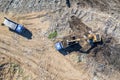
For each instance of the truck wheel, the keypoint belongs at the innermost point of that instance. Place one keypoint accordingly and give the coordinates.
(2, 24)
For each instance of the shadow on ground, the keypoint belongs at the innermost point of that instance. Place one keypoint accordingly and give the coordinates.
(25, 33)
(74, 47)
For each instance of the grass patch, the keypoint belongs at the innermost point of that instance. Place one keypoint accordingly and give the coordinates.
(52, 35)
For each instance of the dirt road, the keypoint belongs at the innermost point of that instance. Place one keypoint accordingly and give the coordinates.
(37, 56)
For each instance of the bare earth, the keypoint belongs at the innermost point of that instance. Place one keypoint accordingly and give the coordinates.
(37, 56)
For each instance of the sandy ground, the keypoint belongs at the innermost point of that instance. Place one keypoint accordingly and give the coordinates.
(37, 56)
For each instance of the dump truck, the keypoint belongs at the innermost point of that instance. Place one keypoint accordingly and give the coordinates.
(66, 48)
(66, 43)
(13, 25)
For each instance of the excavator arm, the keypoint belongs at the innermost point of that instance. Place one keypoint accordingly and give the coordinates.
(76, 40)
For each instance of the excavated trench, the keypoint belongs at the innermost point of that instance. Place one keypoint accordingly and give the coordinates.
(105, 55)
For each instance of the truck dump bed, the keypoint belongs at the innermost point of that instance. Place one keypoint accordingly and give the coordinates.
(65, 41)
(10, 24)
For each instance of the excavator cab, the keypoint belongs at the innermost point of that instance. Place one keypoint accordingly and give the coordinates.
(94, 39)
(98, 38)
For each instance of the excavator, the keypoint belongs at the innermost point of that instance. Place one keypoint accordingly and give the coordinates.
(93, 38)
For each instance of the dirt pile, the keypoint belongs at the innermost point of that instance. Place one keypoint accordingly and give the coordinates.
(78, 26)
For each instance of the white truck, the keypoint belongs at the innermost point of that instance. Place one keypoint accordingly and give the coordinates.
(13, 26)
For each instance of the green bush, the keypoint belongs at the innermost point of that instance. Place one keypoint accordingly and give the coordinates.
(52, 35)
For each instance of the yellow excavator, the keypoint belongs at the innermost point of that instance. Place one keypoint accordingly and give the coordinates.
(93, 38)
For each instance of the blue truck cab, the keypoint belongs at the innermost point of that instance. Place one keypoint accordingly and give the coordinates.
(19, 28)
(58, 46)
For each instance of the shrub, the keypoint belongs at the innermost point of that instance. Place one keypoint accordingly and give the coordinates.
(52, 35)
